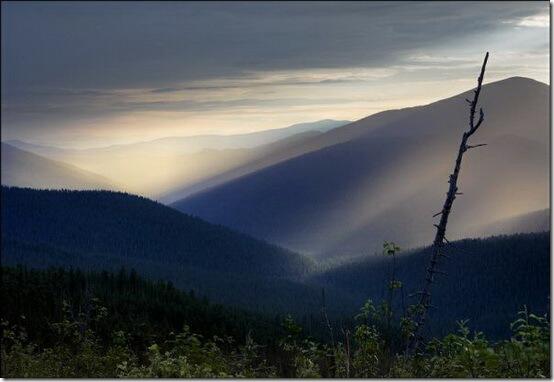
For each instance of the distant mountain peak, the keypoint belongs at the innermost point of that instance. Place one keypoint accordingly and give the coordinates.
(380, 177)
(25, 169)
(518, 79)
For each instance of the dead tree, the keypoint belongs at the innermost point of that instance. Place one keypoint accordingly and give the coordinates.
(420, 315)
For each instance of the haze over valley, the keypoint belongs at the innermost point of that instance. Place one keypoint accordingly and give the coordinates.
(330, 188)
(276, 189)
(160, 167)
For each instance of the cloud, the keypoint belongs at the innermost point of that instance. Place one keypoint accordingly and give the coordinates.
(541, 20)
(538, 20)
(114, 45)
(68, 61)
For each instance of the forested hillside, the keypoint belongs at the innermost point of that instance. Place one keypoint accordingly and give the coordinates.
(148, 309)
(75, 324)
(99, 320)
(127, 226)
(107, 230)
(486, 280)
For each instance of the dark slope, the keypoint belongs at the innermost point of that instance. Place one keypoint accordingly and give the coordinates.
(381, 178)
(36, 298)
(124, 225)
(108, 230)
(487, 280)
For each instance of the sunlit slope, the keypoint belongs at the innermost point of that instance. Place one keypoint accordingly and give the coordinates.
(25, 169)
(217, 167)
(383, 177)
(171, 168)
(158, 171)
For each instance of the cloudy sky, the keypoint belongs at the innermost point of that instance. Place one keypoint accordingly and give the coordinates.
(91, 74)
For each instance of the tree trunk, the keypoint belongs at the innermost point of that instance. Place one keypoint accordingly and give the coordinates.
(424, 304)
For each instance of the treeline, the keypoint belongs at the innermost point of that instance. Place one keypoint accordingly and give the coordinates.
(132, 227)
(100, 230)
(486, 281)
(147, 309)
(69, 323)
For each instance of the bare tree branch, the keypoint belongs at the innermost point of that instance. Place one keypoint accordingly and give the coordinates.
(420, 316)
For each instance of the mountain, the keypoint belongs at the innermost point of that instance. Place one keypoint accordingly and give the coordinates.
(42, 150)
(234, 141)
(25, 169)
(195, 143)
(123, 225)
(100, 230)
(486, 281)
(384, 176)
(171, 168)
(217, 167)
(536, 221)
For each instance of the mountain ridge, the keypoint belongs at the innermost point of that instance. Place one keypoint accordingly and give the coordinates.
(166, 168)
(104, 230)
(300, 202)
(23, 168)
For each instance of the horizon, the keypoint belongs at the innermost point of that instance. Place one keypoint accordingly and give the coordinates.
(30, 142)
(276, 189)
(134, 83)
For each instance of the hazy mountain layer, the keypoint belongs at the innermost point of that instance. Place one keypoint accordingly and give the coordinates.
(171, 168)
(25, 169)
(226, 165)
(383, 177)
(536, 221)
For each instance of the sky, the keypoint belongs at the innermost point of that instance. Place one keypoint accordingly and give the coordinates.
(89, 74)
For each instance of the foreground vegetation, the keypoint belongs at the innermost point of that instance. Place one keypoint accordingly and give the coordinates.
(74, 324)
(97, 230)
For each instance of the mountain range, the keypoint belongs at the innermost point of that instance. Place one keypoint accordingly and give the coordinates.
(484, 281)
(343, 192)
(25, 169)
(108, 230)
(316, 192)
(102, 230)
(171, 168)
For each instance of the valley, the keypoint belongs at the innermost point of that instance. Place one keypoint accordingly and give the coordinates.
(247, 234)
